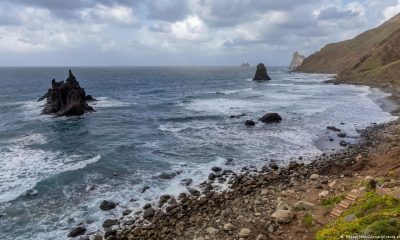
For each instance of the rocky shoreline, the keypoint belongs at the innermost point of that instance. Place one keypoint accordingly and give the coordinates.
(267, 203)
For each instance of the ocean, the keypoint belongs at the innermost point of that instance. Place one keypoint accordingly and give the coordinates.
(151, 120)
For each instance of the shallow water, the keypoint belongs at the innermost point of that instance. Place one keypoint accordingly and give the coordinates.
(150, 120)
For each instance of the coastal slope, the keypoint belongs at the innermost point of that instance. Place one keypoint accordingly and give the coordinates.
(371, 58)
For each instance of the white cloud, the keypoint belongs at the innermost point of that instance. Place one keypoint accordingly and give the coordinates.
(391, 11)
(118, 15)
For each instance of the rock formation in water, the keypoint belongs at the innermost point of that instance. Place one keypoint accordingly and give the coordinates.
(296, 61)
(245, 64)
(271, 118)
(66, 98)
(261, 73)
(371, 58)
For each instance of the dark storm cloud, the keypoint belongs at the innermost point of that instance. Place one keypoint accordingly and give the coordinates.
(332, 13)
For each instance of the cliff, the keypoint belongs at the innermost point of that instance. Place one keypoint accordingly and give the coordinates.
(371, 58)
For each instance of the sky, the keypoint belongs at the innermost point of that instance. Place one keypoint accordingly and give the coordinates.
(178, 32)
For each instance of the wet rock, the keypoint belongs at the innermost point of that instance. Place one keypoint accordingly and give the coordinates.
(80, 230)
(187, 181)
(145, 188)
(271, 118)
(229, 161)
(126, 212)
(164, 199)
(343, 143)
(31, 193)
(273, 166)
(146, 206)
(244, 233)
(107, 205)
(111, 232)
(149, 213)
(261, 73)
(342, 135)
(216, 169)
(110, 222)
(333, 128)
(238, 116)
(66, 98)
(249, 123)
(167, 175)
(211, 176)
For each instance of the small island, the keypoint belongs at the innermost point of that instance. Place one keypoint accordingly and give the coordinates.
(66, 98)
(245, 64)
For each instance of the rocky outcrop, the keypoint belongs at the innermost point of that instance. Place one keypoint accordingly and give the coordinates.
(245, 64)
(261, 73)
(297, 60)
(271, 118)
(371, 58)
(66, 98)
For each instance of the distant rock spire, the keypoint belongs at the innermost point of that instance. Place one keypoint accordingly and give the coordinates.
(296, 61)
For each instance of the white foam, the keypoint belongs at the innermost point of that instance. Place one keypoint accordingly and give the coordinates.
(23, 166)
(106, 102)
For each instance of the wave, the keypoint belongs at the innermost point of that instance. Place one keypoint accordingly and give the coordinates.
(191, 118)
(24, 164)
(105, 102)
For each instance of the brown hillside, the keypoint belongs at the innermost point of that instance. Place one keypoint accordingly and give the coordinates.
(370, 58)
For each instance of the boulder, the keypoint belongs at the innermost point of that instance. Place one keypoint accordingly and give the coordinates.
(283, 206)
(149, 213)
(66, 98)
(323, 194)
(229, 227)
(167, 175)
(271, 118)
(216, 169)
(261, 73)
(314, 176)
(283, 216)
(107, 205)
(77, 231)
(212, 231)
(303, 205)
(244, 233)
(110, 222)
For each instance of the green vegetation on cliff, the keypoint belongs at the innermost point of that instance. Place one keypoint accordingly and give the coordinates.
(372, 57)
(372, 215)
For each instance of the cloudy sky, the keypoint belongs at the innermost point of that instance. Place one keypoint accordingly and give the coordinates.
(178, 32)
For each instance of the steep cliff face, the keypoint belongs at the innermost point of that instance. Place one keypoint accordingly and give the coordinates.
(297, 60)
(372, 57)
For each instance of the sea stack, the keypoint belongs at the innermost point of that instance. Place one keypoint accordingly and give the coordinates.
(66, 98)
(296, 61)
(261, 73)
(245, 64)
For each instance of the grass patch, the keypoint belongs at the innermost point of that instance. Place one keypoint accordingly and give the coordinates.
(308, 220)
(376, 216)
(331, 201)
